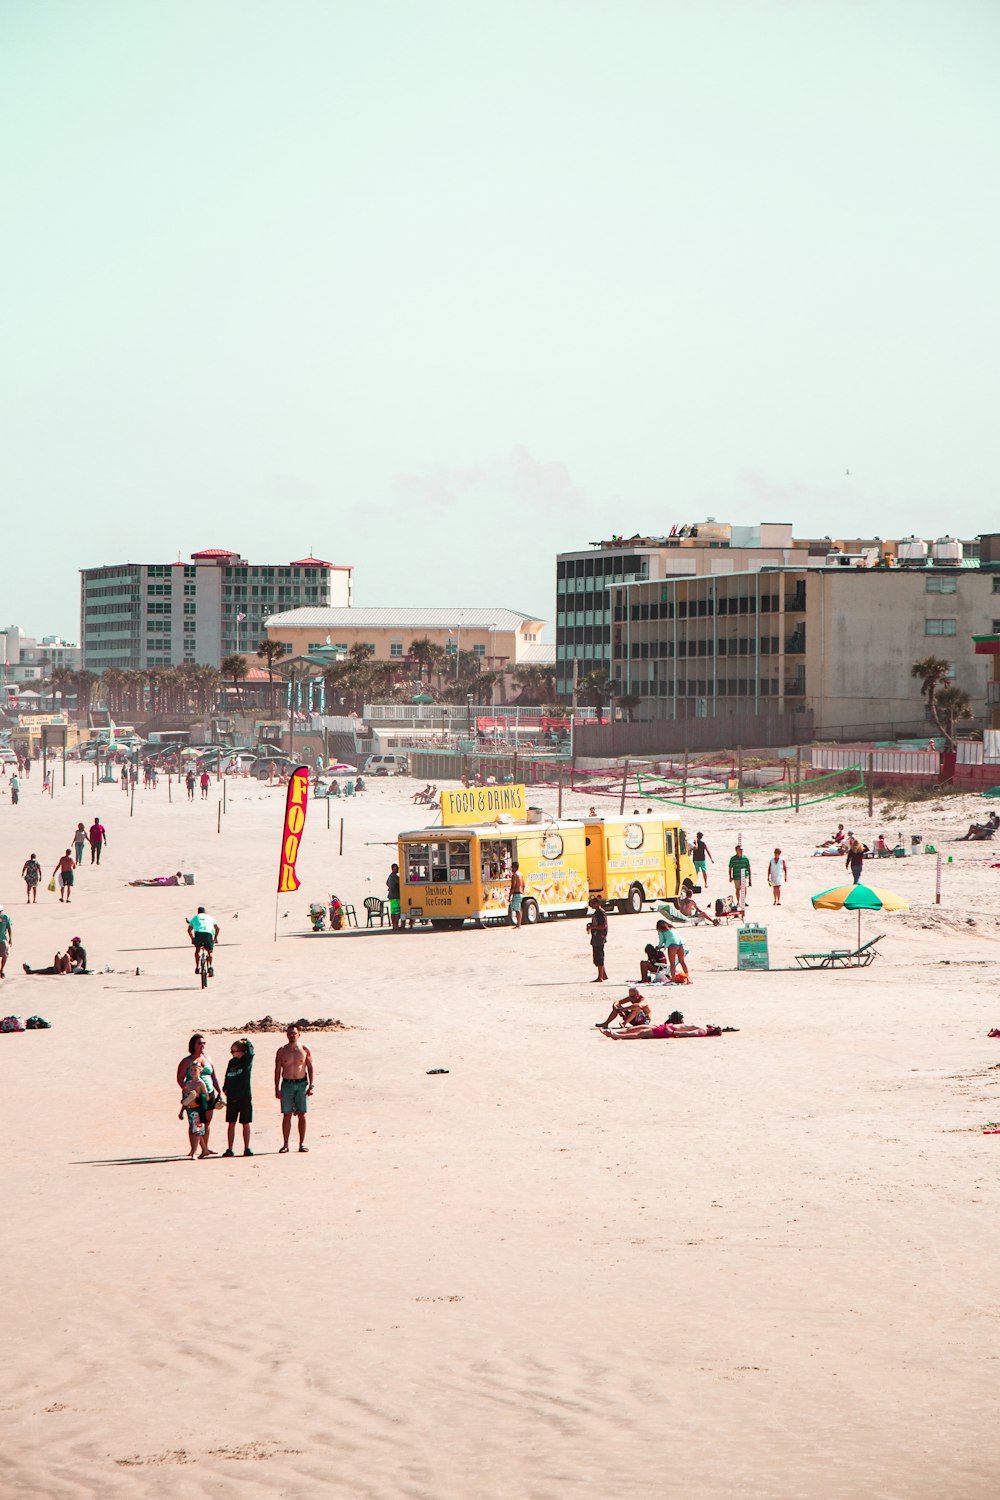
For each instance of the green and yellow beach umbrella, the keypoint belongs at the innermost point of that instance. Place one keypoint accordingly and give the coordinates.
(859, 898)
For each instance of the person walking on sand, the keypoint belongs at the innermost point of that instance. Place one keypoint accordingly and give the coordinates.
(740, 877)
(598, 929)
(236, 1087)
(64, 869)
(206, 782)
(15, 788)
(293, 1084)
(392, 892)
(31, 874)
(515, 896)
(98, 836)
(699, 853)
(855, 860)
(6, 940)
(189, 783)
(79, 842)
(777, 874)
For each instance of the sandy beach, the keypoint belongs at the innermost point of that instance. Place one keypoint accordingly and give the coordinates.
(765, 1265)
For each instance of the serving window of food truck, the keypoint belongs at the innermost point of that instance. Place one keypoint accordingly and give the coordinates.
(444, 862)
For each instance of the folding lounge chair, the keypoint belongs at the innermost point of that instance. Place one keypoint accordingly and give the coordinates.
(842, 958)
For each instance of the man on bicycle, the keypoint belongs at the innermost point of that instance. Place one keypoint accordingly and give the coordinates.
(203, 931)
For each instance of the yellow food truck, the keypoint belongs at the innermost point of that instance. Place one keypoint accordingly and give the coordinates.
(638, 859)
(451, 875)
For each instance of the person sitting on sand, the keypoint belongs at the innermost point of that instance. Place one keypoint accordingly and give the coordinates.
(836, 839)
(177, 879)
(421, 796)
(73, 961)
(633, 1010)
(656, 955)
(688, 906)
(980, 831)
(194, 1104)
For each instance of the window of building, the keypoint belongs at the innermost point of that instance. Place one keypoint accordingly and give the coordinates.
(941, 627)
(942, 585)
(481, 650)
(996, 584)
(395, 648)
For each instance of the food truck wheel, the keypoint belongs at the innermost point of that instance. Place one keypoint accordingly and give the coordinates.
(448, 924)
(634, 900)
(529, 912)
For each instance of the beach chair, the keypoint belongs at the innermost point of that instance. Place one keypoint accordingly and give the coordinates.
(375, 907)
(842, 958)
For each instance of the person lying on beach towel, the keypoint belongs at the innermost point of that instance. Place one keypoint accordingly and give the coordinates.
(177, 879)
(667, 1030)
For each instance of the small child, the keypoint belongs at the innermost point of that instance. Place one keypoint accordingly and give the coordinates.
(239, 1104)
(194, 1103)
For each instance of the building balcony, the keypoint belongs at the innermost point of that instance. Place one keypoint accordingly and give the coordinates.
(795, 687)
(795, 603)
(795, 644)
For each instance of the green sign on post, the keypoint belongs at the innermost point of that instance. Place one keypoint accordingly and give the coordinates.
(751, 947)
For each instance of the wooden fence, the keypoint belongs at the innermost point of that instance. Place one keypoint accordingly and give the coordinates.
(668, 736)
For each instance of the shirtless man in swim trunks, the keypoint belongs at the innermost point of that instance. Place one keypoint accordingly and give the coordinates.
(293, 1083)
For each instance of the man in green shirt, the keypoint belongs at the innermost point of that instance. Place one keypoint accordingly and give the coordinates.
(739, 875)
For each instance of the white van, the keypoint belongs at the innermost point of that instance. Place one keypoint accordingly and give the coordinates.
(385, 765)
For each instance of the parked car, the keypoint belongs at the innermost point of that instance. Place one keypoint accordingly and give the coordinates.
(386, 765)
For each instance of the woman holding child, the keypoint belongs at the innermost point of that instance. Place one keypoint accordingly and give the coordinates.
(200, 1095)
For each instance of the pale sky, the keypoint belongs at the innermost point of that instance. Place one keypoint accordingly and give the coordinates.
(439, 289)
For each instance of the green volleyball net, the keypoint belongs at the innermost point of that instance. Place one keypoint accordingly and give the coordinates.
(719, 798)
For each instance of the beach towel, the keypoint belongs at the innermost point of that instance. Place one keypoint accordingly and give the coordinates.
(12, 1023)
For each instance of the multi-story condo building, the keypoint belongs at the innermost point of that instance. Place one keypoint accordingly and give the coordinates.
(23, 658)
(143, 615)
(584, 580)
(839, 638)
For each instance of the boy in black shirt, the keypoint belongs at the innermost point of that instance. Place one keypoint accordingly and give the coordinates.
(239, 1105)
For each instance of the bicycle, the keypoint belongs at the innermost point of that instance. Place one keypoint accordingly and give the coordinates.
(205, 970)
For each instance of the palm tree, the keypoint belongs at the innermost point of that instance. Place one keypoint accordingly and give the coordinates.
(629, 702)
(953, 703)
(536, 685)
(112, 684)
(271, 651)
(84, 683)
(235, 668)
(947, 704)
(596, 689)
(61, 680)
(421, 654)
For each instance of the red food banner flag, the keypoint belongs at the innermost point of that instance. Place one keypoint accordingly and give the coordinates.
(295, 822)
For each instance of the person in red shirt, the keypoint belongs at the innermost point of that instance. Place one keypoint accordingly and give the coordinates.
(205, 783)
